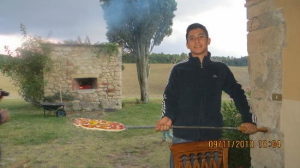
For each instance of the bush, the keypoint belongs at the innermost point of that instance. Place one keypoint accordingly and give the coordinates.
(238, 157)
(27, 66)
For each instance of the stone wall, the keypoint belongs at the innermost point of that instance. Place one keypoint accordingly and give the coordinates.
(266, 39)
(72, 62)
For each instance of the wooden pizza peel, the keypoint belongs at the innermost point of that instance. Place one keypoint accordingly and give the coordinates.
(261, 129)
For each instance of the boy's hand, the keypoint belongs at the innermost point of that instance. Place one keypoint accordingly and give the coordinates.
(249, 128)
(163, 124)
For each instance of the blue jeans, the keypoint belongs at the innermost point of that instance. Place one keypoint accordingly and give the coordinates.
(167, 134)
(179, 140)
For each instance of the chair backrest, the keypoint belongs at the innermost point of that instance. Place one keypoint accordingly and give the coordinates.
(199, 154)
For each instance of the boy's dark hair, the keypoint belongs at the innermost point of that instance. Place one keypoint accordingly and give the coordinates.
(195, 26)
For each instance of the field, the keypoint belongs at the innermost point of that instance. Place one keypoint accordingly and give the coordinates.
(159, 74)
(30, 140)
(7, 85)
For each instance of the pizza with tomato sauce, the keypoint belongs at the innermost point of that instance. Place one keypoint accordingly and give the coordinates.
(100, 125)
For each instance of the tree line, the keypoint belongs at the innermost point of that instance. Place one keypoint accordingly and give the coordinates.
(161, 58)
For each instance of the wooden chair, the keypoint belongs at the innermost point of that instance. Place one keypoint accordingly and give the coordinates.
(195, 153)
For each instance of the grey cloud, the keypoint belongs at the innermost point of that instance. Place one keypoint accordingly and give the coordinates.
(65, 19)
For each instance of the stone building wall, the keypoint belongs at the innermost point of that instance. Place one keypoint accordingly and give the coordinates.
(73, 64)
(266, 38)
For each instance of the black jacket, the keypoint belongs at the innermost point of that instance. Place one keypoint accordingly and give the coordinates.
(193, 97)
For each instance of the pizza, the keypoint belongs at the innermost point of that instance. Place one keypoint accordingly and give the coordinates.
(100, 125)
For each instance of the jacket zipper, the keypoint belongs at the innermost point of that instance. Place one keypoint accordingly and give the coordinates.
(202, 97)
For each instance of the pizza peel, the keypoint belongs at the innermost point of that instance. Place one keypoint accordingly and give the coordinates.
(261, 129)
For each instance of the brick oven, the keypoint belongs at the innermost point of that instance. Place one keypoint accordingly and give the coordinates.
(92, 78)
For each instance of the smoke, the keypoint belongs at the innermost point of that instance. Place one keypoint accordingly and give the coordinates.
(127, 14)
(148, 21)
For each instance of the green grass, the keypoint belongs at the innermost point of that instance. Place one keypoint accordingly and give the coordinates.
(55, 142)
(27, 125)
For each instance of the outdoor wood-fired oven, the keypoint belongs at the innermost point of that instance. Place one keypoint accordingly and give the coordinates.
(84, 83)
(94, 81)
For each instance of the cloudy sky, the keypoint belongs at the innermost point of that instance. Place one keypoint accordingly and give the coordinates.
(68, 19)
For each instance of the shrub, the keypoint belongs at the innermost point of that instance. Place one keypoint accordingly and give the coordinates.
(238, 157)
(232, 118)
(27, 66)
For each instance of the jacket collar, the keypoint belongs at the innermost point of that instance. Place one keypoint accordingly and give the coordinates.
(196, 60)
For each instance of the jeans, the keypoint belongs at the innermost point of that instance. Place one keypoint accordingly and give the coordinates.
(167, 134)
(179, 140)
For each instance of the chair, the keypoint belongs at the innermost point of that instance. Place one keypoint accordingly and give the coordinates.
(198, 154)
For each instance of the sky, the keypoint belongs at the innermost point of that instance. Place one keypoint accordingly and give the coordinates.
(225, 21)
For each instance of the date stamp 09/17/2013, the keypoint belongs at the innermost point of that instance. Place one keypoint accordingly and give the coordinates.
(245, 143)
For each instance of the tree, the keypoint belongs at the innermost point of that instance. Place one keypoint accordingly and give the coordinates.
(139, 25)
(27, 66)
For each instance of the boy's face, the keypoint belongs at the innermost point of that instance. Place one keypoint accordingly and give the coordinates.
(197, 42)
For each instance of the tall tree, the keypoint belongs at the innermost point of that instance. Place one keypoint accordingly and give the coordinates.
(139, 25)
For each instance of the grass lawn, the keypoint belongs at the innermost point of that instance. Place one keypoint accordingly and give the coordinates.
(31, 140)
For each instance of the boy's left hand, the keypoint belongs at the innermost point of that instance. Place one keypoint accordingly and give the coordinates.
(249, 128)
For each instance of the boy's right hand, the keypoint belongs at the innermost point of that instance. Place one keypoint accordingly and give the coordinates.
(163, 124)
